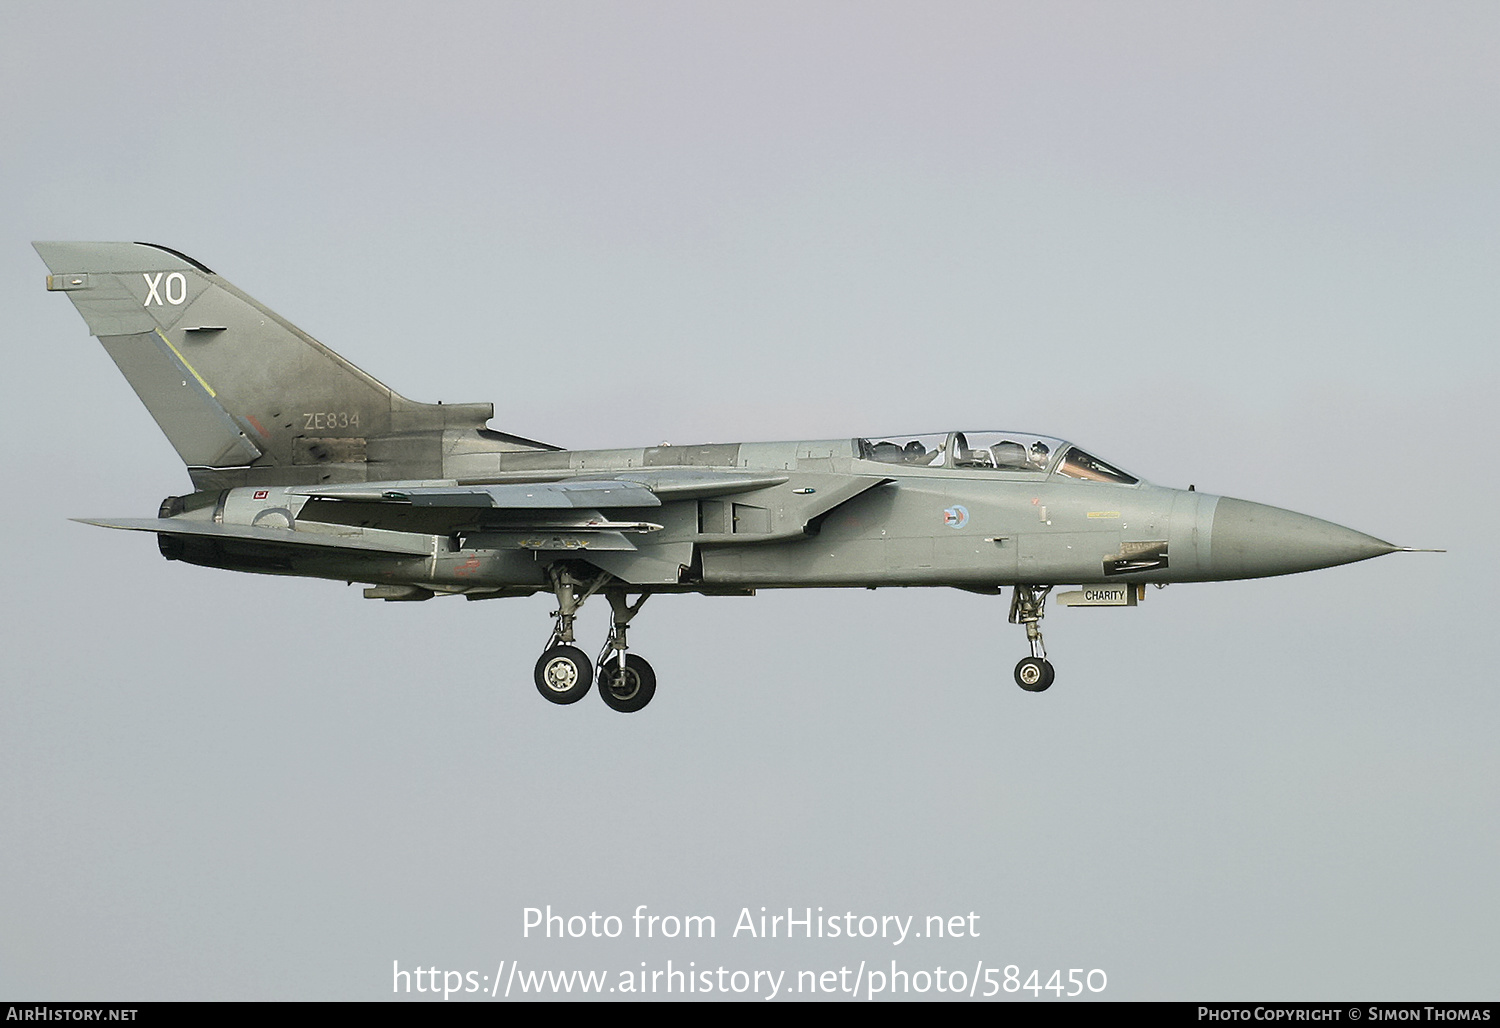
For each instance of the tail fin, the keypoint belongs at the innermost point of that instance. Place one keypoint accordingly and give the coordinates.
(235, 386)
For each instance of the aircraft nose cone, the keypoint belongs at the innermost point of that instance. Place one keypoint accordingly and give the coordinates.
(1252, 540)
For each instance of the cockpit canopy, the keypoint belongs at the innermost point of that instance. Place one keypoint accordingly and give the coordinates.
(1022, 452)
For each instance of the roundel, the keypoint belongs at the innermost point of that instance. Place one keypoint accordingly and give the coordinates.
(956, 517)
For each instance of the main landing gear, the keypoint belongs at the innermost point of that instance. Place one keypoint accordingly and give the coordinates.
(563, 672)
(626, 681)
(1033, 673)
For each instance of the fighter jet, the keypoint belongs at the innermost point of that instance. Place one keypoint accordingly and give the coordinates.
(303, 464)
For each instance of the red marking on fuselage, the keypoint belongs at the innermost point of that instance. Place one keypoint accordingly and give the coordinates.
(468, 567)
(257, 426)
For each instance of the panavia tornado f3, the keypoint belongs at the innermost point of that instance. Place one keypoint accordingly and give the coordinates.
(302, 464)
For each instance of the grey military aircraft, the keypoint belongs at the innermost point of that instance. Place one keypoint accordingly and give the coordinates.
(302, 464)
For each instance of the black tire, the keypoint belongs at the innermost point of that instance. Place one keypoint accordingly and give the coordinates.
(629, 690)
(563, 674)
(1034, 674)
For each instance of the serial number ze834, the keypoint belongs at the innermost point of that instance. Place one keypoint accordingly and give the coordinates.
(331, 419)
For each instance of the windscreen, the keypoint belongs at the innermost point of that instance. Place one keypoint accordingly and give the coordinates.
(1078, 464)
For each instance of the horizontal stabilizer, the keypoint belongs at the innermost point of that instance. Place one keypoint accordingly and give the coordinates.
(267, 536)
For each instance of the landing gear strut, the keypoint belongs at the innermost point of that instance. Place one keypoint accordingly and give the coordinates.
(563, 672)
(626, 681)
(1033, 673)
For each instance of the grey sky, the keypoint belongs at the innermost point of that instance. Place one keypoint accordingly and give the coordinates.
(1248, 246)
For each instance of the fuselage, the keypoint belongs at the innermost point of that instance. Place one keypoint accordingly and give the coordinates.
(935, 509)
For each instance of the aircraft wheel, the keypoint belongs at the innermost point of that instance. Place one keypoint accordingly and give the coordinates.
(1034, 674)
(563, 674)
(630, 689)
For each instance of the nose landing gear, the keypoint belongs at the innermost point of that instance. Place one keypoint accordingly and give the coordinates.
(1034, 673)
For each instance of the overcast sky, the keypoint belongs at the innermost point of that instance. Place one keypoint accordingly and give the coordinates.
(1250, 246)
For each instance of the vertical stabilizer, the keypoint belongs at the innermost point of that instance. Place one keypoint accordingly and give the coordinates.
(235, 386)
